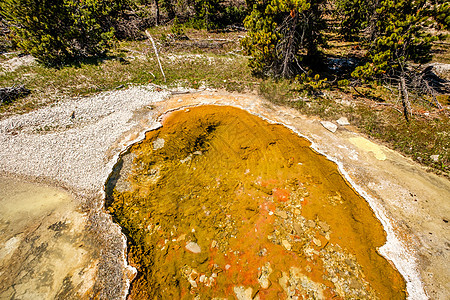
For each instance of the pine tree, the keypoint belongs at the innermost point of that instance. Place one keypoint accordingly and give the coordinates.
(396, 36)
(278, 30)
(354, 16)
(58, 31)
(441, 13)
(207, 13)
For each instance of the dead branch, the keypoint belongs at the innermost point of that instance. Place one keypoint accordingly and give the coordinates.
(359, 93)
(391, 106)
(156, 53)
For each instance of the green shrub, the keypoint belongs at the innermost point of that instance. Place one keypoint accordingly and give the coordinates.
(442, 15)
(399, 36)
(59, 31)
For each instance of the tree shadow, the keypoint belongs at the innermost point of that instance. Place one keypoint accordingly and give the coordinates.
(111, 182)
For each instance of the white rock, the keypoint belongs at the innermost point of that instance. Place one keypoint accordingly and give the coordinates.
(286, 244)
(193, 283)
(193, 247)
(329, 125)
(317, 242)
(343, 121)
(435, 157)
(158, 143)
(243, 293)
(263, 278)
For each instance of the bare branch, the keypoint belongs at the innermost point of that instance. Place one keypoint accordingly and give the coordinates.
(156, 53)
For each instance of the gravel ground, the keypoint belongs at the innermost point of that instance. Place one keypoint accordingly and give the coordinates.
(69, 141)
(14, 63)
(75, 144)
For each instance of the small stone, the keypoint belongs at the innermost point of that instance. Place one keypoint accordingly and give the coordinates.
(282, 214)
(193, 275)
(243, 293)
(193, 283)
(214, 244)
(317, 242)
(193, 247)
(263, 278)
(158, 143)
(286, 245)
(202, 278)
(297, 211)
(186, 159)
(227, 267)
(355, 284)
(325, 227)
(435, 157)
(311, 223)
(329, 125)
(181, 237)
(262, 252)
(298, 228)
(343, 121)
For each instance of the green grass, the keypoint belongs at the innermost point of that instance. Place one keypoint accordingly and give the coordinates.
(130, 63)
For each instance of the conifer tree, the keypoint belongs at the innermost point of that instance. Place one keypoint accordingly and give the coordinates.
(58, 31)
(279, 31)
(397, 36)
(441, 13)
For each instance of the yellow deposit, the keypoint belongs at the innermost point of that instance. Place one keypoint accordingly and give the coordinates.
(219, 203)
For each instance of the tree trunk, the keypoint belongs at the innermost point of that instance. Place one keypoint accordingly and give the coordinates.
(157, 12)
(289, 50)
(405, 98)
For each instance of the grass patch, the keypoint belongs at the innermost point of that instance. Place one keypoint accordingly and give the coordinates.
(421, 139)
(129, 63)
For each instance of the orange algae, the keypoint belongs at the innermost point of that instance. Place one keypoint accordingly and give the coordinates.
(219, 203)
